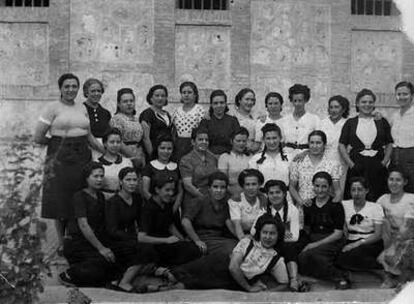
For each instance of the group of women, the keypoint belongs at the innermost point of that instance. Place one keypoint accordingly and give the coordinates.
(219, 199)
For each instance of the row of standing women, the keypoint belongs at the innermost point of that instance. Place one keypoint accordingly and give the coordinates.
(72, 126)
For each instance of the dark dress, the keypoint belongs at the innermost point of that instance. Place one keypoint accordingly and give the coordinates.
(321, 222)
(87, 266)
(369, 167)
(99, 118)
(220, 132)
(66, 156)
(156, 220)
(156, 170)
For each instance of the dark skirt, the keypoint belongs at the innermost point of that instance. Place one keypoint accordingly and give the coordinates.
(182, 147)
(363, 257)
(66, 156)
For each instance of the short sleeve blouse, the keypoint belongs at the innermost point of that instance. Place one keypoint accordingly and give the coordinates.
(129, 126)
(159, 124)
(185, 122)
(244, 212)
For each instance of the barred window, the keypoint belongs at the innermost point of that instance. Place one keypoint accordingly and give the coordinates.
(374, 7)
(203, 4)
(25, 3)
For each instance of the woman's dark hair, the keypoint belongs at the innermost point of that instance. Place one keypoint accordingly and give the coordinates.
(406, 84)
(324, 175)
(273, 95)
(362, 93)
(319, 133)
(241, 94)
(160, 139)
(271, 127)
(88, 169)
(216, 93)
(343, 101)
(267, 219)
(239, 131)
(299, 89)
(193, 86)
(282, 186)
(111, 131)
(248, 173)
(403, 172)
(90, 81)
(124, 171)
(217, 175)
(153, 89)
(197, 131)
(162, 181)
(359, 179)
(119, 95)
(67, 76)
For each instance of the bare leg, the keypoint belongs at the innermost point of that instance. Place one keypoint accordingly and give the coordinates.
(60, 226)
(128, 276)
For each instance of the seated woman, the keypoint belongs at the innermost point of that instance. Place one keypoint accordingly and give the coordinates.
(397, 257)
(245, 210)
(92, 259)
(162, 168)
(237, 160)
(112, 161)
(196, 166)
(157, 226)
(363, 222)
(324, 221)
(252, 258)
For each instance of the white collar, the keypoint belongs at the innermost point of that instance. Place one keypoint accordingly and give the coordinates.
(160, 166)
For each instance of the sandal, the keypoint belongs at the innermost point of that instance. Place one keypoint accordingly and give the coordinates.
(296, 285)
(343, 284)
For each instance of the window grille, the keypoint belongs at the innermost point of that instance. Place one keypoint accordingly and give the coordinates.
(25, 3)
(374, 7)
(203, 4)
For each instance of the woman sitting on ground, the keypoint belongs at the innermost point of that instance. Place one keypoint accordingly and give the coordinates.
(245, 210)
(253, 257)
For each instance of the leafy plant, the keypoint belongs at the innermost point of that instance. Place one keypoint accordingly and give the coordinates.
(22, 262)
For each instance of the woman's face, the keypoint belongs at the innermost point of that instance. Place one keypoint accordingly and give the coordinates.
(335, 110)
(159, 98)
(166, 193)
(272, 140)
(316, 145)
(268, 236)
(113, 144)
(404, 97)
(127, 104)
(239, 143)
(247, 102)
(94, 93)
(95, 179)
(218, 189)
(218, 104)
(188, 95)
(358, 191)
(200, 143)
(69, 89)
(274, 106)
(321, 188)
(130, 182)
(165, 150)
(276, 196)
(366, 104)
(298, 101)
(396, 182)
(251, 186)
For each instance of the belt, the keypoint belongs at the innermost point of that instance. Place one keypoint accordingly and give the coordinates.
(297, 146)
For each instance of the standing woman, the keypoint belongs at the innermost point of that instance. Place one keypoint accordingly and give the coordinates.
(133, 136)
(300, 123)
(236, 161)
(244, 103)
(67, 152)
(220, 126)
(397, 258)
(371, 146)
(154, 120)
(402, 131)
(272, 161)
(186, 118)
(196, 166)
(99, 117)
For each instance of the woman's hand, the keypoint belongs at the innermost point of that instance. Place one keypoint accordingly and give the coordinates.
(310, 246)
(257, 287)
(172, 239)
(202, 246)
(107, 254)
(351, 246)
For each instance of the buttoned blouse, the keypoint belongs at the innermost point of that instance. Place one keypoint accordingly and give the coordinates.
(232, 164)
(244, 212)
(268, 120)
(333, 132)
(272, 167)
(402, 129)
